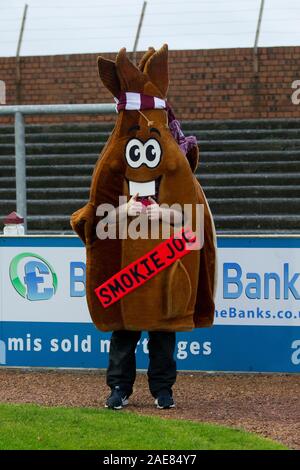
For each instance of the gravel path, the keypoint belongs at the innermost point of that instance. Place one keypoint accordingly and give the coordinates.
(266, 404)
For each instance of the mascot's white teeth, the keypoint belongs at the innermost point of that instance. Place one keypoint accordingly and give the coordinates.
(143, 189)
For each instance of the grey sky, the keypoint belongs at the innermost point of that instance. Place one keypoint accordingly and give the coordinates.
(82, 26)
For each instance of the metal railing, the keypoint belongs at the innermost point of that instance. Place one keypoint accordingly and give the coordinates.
(19, 112)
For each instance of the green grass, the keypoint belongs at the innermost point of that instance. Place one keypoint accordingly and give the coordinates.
(39, 427)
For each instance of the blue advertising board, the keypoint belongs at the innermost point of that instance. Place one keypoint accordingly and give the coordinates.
(44, 320)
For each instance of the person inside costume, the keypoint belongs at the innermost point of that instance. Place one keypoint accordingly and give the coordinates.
(150, 162)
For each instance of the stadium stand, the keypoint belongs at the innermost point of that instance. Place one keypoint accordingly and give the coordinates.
(250, 171)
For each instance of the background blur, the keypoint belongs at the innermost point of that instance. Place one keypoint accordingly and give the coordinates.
(74, 26)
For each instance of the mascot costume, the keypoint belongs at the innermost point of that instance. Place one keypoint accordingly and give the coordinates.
(147, 160)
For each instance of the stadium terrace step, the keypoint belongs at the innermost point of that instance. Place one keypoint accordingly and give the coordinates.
(48, 182)
(249, 156)
(40, 223)
(254, 205)
(244, 144)
(205, 157)
(258, 223)
(250, 179)
(203, 135)
(249, 169)
(285, 123)
(255, 223)
(58, 137)
(45, 206)
(7, 193)
(66, 137)
(62, 194)
(61, 128)
(250, 192)
(56, 159)
(7, 149)
(242, 134)
(60, 170)
(63, 148)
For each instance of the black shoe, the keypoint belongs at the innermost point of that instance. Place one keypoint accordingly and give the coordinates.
(164, 400)
(117, 399)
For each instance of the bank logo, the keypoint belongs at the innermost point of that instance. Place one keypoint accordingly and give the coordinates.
(38, 282)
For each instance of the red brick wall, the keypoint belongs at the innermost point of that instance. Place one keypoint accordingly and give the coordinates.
(204, 84)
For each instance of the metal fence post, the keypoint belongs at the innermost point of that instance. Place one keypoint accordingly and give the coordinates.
(20, 167)
(255, 49)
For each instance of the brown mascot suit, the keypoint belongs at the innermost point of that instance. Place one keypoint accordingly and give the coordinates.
(180, 297)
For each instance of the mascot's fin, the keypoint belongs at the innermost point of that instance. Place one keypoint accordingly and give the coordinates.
(179, 290)
(158, 71)
(130, 76)
(108, 75)
(83, 223)
(146, 57)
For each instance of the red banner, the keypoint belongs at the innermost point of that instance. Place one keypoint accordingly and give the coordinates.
(146, 267)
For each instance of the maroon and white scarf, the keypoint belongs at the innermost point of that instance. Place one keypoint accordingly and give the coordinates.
(130, 101)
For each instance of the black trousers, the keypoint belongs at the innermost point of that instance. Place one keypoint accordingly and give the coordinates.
(122, 365)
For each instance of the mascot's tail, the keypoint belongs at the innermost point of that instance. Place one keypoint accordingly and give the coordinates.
(207, 284)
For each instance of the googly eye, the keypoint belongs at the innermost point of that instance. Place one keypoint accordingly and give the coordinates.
(152, 153)
(134, 153)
